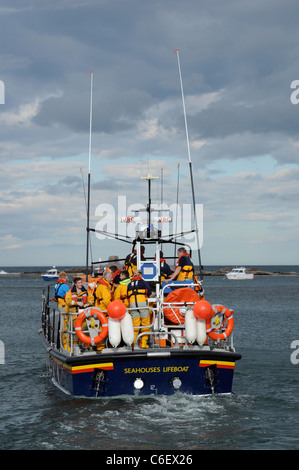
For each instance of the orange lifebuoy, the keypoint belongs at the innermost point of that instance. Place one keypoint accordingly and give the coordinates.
(179, 297)
(228, 314)
(96, 313)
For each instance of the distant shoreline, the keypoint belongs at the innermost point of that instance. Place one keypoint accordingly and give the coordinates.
(219, 272)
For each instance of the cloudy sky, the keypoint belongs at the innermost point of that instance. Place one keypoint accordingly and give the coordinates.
(238, 60)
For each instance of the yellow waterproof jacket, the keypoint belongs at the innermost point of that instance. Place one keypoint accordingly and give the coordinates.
(103, 294)
(72, 297)
(120, 293)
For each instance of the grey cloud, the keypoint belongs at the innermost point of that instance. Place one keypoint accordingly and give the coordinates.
(245, 51)
(113, 112)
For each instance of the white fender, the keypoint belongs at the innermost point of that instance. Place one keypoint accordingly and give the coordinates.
(190, 326)
(127, 329)
(114, 332)
(201, 331)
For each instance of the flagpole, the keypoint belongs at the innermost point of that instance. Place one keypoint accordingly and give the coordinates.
(89, 165)
(190, 164)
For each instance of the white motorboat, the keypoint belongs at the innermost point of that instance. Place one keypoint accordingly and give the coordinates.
(239, 273)
(50, 275)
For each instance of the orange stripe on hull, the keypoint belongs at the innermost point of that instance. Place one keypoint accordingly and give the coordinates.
(219, 364)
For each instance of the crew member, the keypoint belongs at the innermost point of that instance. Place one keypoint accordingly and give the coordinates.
(165, 270)
(116, 272)
(120, 292)
(60, 289)
(184, 268)
(138, 292)
(104, 290)
(78, 297)
(131, 260)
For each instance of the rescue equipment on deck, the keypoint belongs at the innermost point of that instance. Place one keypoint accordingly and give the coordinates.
(116, 310)
(127, 329)
(190, 326)
(96, 314)
(179, 298)
(114, 332)
(120, 325)
(203, 312)
(228, 314)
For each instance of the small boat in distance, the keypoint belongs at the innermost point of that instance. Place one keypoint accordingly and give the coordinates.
(239, 273)
(50, 275)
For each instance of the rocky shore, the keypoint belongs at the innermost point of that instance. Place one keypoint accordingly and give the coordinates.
(219, 272)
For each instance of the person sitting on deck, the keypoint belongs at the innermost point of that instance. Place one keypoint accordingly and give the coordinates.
(184, 268)
(165, 270)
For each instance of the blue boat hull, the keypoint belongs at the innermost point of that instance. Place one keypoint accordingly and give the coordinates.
(144, 373)
(49, 278)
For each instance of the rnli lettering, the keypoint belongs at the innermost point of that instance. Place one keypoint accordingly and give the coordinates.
(151, 370)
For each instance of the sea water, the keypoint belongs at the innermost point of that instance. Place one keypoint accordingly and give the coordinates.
(262, 413)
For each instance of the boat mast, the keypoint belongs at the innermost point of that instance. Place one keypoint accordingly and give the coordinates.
(190, 166)
(88, 190)
(149, 177)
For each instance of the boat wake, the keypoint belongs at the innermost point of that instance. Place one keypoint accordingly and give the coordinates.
(180, 421)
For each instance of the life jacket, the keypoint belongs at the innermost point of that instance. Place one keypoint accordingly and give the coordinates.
(79, 297)
(137, 290)
(57, 286)
(187, 271)
(92, 284)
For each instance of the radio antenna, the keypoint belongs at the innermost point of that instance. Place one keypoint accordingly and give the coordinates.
(88, 187)
(190, 164)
